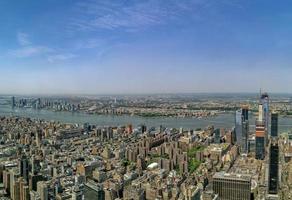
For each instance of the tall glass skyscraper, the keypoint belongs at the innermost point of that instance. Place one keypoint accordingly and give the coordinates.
(274, 125)
(238, 126)
(245, 112)
(245, 133)
(242, 128)
(260, 135)
(265, 101)
(13, 102)
(217, 136)
(274, 156)
(274, 167)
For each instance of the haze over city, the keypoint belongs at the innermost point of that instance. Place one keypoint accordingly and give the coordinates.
(102, 47)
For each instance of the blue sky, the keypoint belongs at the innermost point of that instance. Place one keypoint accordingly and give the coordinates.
(154, 46)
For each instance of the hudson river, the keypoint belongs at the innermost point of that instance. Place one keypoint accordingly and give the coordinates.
(221, 121)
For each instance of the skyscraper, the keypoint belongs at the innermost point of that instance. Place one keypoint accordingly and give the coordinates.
(24, 168)
(265, 101)
(13, 102)
(274, 125)
(260, 135)
(274, 167)
(245, 112)
(245, 131)
(217, 136)
(242, 128)
(238, 126)
(232, 186)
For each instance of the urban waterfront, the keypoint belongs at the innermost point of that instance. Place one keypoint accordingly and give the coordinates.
(225, 120)
(145, 100)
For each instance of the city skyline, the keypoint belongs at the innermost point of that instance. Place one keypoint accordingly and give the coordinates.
(116, 47)
(207, 159)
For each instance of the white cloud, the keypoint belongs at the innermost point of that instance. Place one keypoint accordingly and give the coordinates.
(135, 15)
(89, 44)
(60, 57)
(23, 39)
(29, 51)
(138, 15)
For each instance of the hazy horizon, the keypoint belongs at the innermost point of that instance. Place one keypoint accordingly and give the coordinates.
(255, 94)
(95, 47)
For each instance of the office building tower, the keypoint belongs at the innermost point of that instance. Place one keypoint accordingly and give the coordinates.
(245, 129)
(33, 180)
(238, 126)
(242, 128)
(232, 186)
(245, 112)
(33, 165)
(260, 135)
(274, 167)
(217, 136)
(24, 168)
(143, 128)
(13, 102)
(265, 101)
(274, 124)
(260, 140)
(37, 104)
(244, 139)
(251, 144)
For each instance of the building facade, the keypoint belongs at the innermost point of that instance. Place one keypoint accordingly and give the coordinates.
(274, 124)
(242, 128)
(232, 186)
(265, 101)
(274, 168)
(261, 135)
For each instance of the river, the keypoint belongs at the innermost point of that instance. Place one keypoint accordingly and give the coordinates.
(225, 120)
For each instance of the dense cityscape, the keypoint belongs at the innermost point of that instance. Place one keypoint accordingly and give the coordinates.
(52, 160)
(171, 105)
(145, 100)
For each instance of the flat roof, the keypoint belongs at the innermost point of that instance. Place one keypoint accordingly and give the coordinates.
(232, 176)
